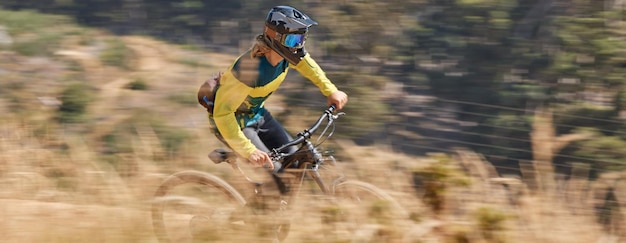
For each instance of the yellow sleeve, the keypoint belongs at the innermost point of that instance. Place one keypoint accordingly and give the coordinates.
(309, 69)
(230, 95)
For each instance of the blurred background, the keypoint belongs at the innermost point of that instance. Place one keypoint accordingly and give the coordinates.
(523, 98)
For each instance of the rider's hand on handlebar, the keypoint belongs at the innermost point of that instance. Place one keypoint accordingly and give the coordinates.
(338, 98)
(260, 158)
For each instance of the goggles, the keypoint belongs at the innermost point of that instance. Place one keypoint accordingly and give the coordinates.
(291, 40)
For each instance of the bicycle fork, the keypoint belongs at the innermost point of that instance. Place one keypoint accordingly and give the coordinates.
(315, 174)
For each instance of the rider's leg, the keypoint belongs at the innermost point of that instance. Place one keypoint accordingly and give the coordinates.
(269, 134)
(273, 134)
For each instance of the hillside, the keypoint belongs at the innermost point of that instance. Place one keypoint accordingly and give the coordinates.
(69, 182)
(91, 180)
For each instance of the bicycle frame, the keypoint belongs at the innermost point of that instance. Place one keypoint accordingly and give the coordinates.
(290, 169)
(306, 160)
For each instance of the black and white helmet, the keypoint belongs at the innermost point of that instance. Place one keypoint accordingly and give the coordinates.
(286, 32)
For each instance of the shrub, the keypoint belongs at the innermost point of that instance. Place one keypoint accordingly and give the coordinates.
(26, 21)
(137, 84)
(40, 45)
(116, 54)
(490, 222)
(119, 140)
(436, 178)
(172, 138)
(34, 34)
(74, 101)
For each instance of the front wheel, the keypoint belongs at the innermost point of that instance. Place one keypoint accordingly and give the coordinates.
(365, 210)
(191, 206)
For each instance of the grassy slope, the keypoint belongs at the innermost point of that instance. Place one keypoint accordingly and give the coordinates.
(54, 176)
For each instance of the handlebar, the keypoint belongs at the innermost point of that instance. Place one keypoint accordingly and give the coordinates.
(307, 133)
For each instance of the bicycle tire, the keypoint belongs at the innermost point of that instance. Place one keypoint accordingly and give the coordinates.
(363, 209)
(193, 178)
(395, 207)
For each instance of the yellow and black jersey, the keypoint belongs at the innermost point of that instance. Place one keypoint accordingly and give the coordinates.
(243, 89)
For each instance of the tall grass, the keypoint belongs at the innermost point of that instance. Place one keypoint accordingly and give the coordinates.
(60, 185)
(72, 186)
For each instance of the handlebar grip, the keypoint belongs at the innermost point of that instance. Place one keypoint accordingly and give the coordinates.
(332, 108)
(277, 166)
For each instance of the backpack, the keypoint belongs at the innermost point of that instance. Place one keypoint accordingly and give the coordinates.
(206, 93)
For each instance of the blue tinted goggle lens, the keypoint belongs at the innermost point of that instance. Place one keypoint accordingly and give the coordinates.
(294, 40)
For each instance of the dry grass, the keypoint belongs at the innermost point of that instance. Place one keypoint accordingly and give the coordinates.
(49, 196)
(56, 187)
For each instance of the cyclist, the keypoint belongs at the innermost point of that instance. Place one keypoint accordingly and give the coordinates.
(238, 111)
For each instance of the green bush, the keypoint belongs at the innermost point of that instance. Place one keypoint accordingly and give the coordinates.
(116, 54)
(119, 140)
(490, 222)
(137, 84)
(436, 178)
(172, 138)
(19, 22)
(74, 101)
(34, 34)
(42, 44)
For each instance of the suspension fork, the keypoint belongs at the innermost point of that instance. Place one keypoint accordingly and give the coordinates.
(313, 172)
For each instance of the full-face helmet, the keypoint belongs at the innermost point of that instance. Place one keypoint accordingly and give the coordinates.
(286, 32)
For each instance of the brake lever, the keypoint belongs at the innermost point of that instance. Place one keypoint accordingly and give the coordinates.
(335, 116)
(276, 157)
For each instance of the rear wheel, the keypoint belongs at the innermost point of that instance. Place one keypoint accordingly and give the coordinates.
(194, 206)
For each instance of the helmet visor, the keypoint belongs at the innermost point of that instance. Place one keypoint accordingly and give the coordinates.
(294, 40)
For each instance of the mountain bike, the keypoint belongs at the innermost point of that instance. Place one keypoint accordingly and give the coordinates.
(194, 206)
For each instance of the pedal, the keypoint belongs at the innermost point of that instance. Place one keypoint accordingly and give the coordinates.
(222, 155)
